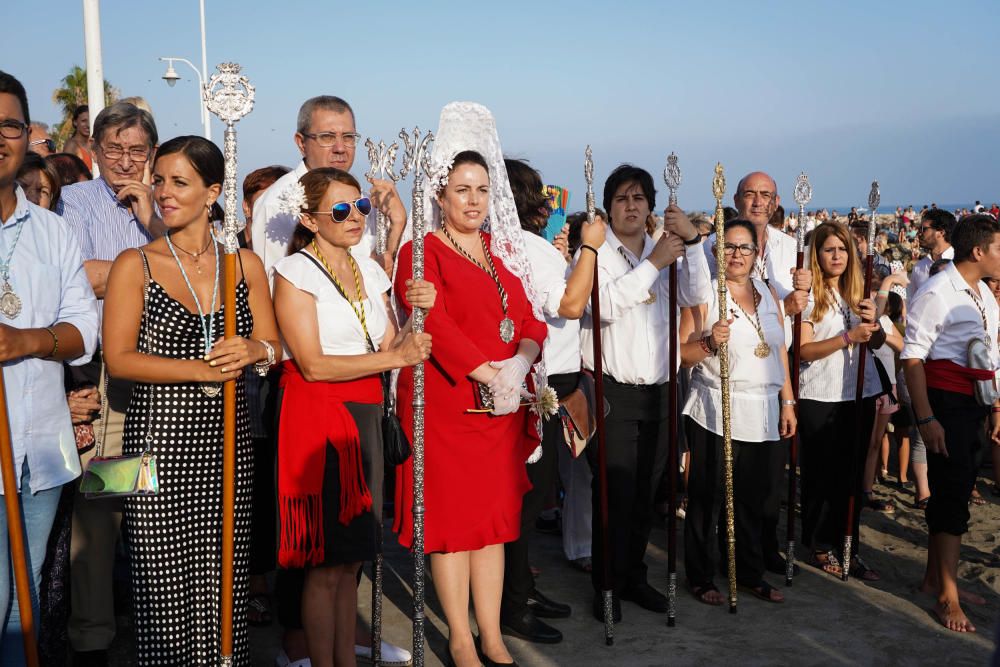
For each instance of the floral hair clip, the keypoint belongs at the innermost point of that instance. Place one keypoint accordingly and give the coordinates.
(292, 200)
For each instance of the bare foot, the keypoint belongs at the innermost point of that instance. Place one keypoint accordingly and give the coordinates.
(963, 595)
(952, 617)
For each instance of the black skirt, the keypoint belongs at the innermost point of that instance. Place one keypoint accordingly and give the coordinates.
(355, 542)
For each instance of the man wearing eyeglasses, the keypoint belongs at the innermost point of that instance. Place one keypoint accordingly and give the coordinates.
(326, 137)
(39, 140)
(934, 236)
(109, 214)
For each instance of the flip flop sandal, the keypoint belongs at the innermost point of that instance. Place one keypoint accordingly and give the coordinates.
(763, 592)
(884, 506)
(699, 594)
(257, 605)
(922, 503)
(829, 563)
(860, 570)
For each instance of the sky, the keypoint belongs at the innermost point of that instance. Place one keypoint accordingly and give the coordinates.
(849, 91)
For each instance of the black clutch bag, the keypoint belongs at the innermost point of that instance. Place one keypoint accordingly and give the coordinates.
(395, 445)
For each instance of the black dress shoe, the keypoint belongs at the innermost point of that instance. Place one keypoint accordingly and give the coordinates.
(776, 565)
(616, 608)
(529, 628)
(546, 608)
(646, 597)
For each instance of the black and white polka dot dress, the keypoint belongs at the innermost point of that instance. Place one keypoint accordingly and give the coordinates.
(175, 537)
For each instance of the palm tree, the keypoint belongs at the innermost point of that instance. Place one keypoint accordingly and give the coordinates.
(71, 94)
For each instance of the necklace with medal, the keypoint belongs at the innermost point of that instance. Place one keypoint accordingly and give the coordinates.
(652, 295)
(10, 303)
(359, 309)
(506, 324)
(210, 389)
(982, 313)
(763, 350)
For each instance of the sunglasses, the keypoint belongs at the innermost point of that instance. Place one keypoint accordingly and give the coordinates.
(342, 210)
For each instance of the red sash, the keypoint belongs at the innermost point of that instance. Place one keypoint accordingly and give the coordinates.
(949, 376)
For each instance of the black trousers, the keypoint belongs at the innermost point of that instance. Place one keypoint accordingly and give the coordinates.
(771, 507)
(753, 482)
(952, 478)
(831, 451)
(517, 580)
(636, 435)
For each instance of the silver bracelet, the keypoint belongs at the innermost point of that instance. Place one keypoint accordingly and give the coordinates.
(787, 402)
(262, 367)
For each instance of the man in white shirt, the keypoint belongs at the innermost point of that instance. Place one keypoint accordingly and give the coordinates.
(326, 136)
(633, 285)
(953, 308)
(936, 226)
(756, 199)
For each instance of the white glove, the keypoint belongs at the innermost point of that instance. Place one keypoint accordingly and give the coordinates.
(505, 404)
(510, 376)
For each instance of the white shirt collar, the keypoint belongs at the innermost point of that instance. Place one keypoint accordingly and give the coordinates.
(615, 242)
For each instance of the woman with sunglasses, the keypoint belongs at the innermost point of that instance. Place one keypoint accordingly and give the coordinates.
(163, 320)
(761, 394)
(339, 336)
(836, 322)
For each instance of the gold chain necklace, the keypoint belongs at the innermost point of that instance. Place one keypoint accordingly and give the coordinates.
(763, 350)
(506, 324)
(359, 309)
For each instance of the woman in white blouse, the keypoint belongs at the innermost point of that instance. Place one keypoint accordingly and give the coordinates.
(339, 336)
(762, 405)
(834, 324)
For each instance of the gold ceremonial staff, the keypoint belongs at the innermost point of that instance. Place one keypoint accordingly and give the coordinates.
(229, 95)
(719, 189)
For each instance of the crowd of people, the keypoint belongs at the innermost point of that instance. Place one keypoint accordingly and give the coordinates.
(112, 345)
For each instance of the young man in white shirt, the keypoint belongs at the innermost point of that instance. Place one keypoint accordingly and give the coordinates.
(953, 308)
(633, 286)
(934, 236)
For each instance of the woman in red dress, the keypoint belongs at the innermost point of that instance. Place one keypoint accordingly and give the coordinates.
(474, 463)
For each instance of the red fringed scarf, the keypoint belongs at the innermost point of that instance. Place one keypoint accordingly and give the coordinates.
(949, 376)
(312, 415)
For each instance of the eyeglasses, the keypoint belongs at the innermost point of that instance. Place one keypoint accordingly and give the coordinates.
(745, 249)
(12, 129)
(136, 153)
(342, 210)
(329, 139)
(49, 144)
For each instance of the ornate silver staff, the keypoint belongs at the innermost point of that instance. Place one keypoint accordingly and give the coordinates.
(719, 189)
(803, 193)
(874, 198)
(672, 177)
(382, 159)
(602, 455)
(229, 95)
(417, 160)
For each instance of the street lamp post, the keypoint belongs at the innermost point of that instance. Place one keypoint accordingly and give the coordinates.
(172, 77)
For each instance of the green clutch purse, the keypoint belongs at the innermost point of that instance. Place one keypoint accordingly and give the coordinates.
(118, 476)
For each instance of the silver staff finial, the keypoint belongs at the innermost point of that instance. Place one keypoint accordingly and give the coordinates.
(874, 198)
(382, 159)
(672, 177)
(803, 191)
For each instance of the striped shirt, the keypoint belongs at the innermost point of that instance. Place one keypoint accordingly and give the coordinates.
(103, 226)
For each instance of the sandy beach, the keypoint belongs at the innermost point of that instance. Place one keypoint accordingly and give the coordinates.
(823, 622)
